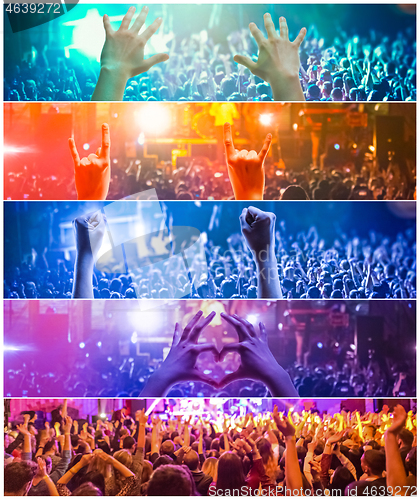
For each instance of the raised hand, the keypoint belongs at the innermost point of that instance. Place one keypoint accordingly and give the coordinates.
(284, 424)
(123, 55)
(68, 422)
(89, 231)
(141, 417)
(93, 173)
(278, 59)
(180, 364)
(246, 168)
(258, 228)
(23, 429)
(256, 359)
(42, 467)
(399, 420)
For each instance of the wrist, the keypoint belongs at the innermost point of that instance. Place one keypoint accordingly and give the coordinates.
(115, 70)
(265, 257)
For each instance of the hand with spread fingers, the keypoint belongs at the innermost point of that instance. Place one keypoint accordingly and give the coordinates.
(93, 173)
(180, 364)
(256, 360)
(246, 168)
(278, 59)
(123, 55)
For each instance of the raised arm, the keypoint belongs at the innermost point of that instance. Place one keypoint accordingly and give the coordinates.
(256, 359)
(258, 229)
(180, 364)
(278, 60)
(92, 174)
(246, 169)
(292, 466)
(89, 231)
(396, 473)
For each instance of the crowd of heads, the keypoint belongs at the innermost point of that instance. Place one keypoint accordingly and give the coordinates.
(378, 66)
(216, 453)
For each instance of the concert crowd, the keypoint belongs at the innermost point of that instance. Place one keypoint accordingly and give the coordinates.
(272, 453)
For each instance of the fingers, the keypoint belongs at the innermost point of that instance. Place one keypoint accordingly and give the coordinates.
(239, 327)
(126, 21)
(195, 333)
(106, 141)
(190, 325)
(265, 148)
(74, 152)
(243, 220)
(98, 150)
(107, 25)
(249, 328)
(243, 154)
(263, 333)
(283, 28)
(269, 26)
(140, 20)
(228, 141)
(176, 335)
(149, 32)
(252, 155)
(256, 33)
(300, 37)
(153, 60)
(246, 61)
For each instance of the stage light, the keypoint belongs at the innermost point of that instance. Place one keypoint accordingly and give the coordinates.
(87, 354)
(153, 118)
(336, 344)
(354, 145)
(13, 150)
(278, 172)
(295, 127)
(280, 326)
(86, 146)
(115, 115)
(82, 345)
(103, 415)
(134, 338)
(251, 318)
(218, 174)
(371, 148)
(109, 359)
(337, 146)
(115, 160)
(353, 347)
(99, 344)
(266, 119)
(319, 345)
(141, 139)
(10, 348)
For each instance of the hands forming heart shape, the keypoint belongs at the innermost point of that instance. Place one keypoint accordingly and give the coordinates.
(256, 359)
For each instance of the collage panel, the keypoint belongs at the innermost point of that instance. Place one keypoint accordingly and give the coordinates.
(234, 250)
(280, 151)
(212, 447)
(167, 52)
(245, 174)
(210, 348)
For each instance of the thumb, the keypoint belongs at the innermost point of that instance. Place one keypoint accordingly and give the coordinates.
(245, 61)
